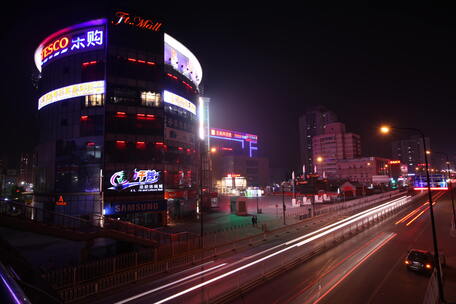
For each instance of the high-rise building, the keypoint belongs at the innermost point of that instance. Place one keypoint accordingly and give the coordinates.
(333, 145)
(410, 151)
(117, 106)
(312, 123)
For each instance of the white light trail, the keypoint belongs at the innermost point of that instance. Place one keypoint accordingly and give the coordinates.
(169, 284)
(340, 224)
(346, 219)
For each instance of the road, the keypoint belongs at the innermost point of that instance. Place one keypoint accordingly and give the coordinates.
(204, 282)
(368, 268)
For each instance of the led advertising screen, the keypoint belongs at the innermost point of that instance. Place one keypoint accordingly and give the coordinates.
(179, 101)
(182, 60)
(82, 37)
(136, 181)
(234, 135)
(72, 91)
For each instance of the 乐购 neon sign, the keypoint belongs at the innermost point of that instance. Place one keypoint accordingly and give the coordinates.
(126, 18)
(71, 91)
(72, 42)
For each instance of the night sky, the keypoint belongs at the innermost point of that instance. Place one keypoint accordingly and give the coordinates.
(264, 66)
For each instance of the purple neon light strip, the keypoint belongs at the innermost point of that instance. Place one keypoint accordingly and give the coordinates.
(10, 290)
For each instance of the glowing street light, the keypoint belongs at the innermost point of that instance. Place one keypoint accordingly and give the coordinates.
(319, 159)
(385, 129)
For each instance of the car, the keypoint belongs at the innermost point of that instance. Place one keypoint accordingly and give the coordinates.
(420, 261)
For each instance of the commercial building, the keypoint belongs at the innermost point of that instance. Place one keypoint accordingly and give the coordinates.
(117, 106)
(334, 145)
(410, 151)
(235, 154)
(312, 123)
(364, 170)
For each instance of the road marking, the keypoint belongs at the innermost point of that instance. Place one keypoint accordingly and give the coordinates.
(167, 285)
(378, 247)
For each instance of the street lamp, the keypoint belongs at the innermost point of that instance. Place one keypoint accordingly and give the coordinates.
(283, 203)
(387, 130)
(449, 185)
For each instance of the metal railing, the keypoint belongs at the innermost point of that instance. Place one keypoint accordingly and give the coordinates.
(81, 282)
(89, 228)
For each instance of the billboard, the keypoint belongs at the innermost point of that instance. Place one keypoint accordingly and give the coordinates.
(248, 141)
(72, 91)
(87, 36)
(234, 134)
(182, 60)
(179, 101)
(136, 181)
(112, 208)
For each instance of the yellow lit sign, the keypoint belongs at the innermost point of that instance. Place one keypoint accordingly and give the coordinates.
(72, 91)
(178, 101)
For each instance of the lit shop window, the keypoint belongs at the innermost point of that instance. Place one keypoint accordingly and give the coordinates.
(150, 99)
(95, 100)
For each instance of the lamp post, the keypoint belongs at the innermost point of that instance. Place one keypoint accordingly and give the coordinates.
(449, 187)
(386, 130)
(283, 203)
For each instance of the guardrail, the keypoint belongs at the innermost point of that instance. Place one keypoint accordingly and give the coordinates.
(83, 228)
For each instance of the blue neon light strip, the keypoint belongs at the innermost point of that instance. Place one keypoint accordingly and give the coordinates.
(225, 138)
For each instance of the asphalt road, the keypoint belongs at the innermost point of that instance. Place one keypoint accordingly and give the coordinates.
(367, 268)
(201, 283)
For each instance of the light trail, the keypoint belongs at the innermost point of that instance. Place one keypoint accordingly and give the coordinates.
(377, 248)
(419, 214)
(409, 215)
(341, 223)
(314, 235)
(167, 285)
(346, 223)
(346, 219)
(332, 268)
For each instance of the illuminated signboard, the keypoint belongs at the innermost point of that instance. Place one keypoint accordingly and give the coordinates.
(133, 207)
(245, 139)
(72, 91)
(182, 60)
(137, 181)
(140, 22)
(87, 36)
(179, 101)
(392, 162)
(234, 134)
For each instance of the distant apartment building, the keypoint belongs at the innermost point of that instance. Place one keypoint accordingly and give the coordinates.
(410, 151)
(335, 144)
(312, 123)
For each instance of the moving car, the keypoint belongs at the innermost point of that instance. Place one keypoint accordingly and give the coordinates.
(420, 261)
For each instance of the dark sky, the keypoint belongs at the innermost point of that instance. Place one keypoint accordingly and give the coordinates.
(264, 66)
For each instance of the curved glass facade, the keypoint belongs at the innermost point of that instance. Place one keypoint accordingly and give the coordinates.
(118, 124)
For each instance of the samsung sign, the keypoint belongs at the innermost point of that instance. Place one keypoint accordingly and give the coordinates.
(133, 207)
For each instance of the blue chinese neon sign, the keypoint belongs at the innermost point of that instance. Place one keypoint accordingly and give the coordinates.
(138, 181)
(73, 42)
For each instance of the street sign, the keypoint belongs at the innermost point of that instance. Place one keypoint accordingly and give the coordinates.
(61, 202)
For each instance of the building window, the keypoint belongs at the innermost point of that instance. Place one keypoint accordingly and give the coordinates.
(96, 100)
(150, 99)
